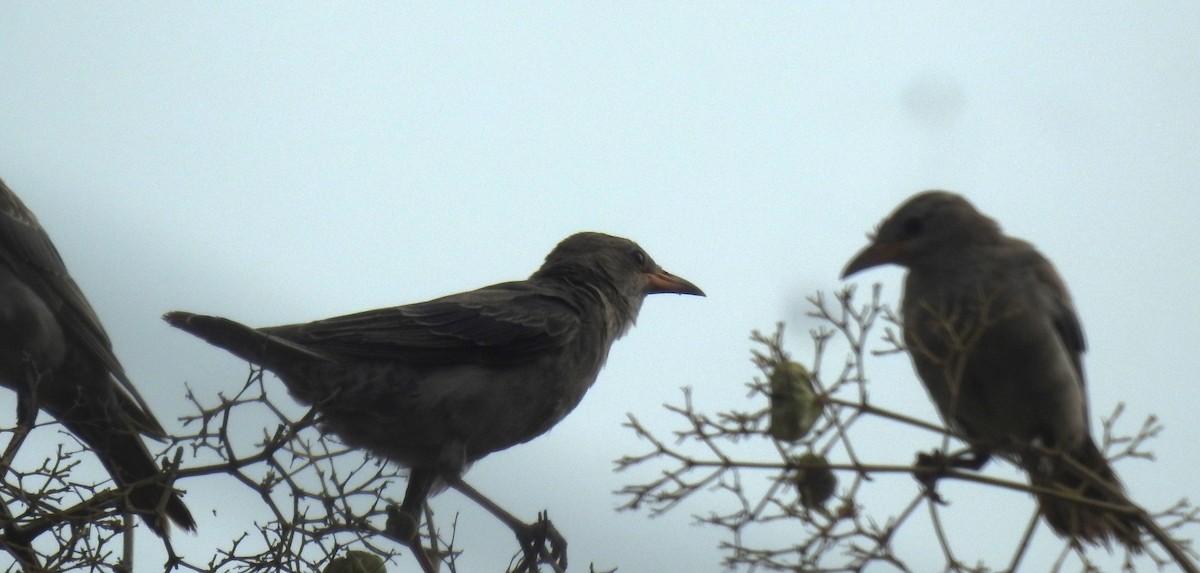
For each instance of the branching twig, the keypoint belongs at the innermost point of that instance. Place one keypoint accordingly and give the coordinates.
(716, 454)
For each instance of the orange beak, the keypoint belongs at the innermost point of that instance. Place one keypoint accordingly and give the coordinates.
(661, 281)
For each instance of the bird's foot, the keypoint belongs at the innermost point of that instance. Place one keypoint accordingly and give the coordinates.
(935, 465)
(541, 543)
(930, 468)
(402, 525)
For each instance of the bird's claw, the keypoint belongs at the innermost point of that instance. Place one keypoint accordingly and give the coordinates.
(541, 543)
(402, 525)
(931, 467)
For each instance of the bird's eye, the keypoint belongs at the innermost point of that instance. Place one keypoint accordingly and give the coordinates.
(913, 226)
(639, 258)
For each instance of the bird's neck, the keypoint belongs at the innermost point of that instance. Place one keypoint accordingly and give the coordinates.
(619, 311)
(598, 297)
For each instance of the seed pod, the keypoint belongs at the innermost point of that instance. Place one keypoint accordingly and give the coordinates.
(815, 482)
(357, 562)
(794, 407)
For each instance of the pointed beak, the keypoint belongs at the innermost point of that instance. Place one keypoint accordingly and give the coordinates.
(873, 255)
(661, 281)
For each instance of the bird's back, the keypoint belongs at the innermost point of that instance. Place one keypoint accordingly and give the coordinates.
(488, 368)
(56, 355)
(49, 318)
(989, 316)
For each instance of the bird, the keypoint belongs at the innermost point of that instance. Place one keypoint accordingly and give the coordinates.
(994, 336)
(56, 356)
(437, 385)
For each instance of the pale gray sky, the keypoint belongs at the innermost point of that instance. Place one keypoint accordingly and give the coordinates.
(278, 163)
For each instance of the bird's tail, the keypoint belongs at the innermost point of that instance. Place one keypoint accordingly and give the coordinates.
(130, 464)
(1079, 521)
(270, 352)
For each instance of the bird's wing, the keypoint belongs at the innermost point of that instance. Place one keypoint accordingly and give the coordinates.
(27, 250)
(500, 324)
(1058, 305)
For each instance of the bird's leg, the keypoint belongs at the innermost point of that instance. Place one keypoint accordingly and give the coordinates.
(933, 466)
(27, 410)
(404, 521)
(532, 537)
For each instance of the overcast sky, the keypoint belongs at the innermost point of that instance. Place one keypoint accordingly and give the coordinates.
(278, 163)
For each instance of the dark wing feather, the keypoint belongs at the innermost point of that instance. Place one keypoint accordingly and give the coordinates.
(1062, 312)
(500, 324)
(27, 250)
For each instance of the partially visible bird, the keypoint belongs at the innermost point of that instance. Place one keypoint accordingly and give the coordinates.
(437, 385)
(56, 356)
(994, 337)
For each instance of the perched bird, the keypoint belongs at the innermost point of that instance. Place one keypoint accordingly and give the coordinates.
(994, 337)
(437, 385)
(56, 356)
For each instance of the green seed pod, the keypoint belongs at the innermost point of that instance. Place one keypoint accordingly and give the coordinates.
(794, 407)
(816, 482)
(356, 562)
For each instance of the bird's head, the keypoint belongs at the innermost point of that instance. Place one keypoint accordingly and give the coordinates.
(926, 227)
(616, 261)
(613, 270)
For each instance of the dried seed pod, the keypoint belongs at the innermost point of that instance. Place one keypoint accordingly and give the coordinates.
(794, 407)
(357, 562)
(816, 481)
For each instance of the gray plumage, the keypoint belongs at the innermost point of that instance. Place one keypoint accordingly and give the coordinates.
(438, 385)
(55, 354)
(995, 339)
